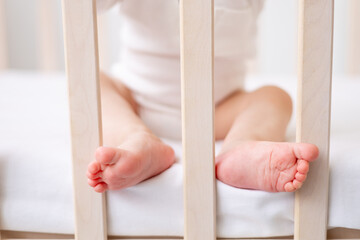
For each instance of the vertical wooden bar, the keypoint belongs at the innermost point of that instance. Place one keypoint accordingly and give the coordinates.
(313, 114)
(85, 113)
(104, 44)
(47, 35)
(353, 48)
(197, 53)
(3, 41)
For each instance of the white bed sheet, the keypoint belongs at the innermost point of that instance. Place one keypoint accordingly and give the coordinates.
(36, 182)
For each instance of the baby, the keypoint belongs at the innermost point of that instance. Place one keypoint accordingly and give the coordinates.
(141, 102)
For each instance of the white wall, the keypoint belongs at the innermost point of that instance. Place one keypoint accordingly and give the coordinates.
(278, 37)
(22, 18)
(277, 51)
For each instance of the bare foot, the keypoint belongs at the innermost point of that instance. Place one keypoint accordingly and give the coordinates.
(268, 166)
(140, 157)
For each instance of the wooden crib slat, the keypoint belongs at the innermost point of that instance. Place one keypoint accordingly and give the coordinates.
(3, 42)
(85, 113)
(196, 21)
(313, 114)
(353, 48)
(47, 35)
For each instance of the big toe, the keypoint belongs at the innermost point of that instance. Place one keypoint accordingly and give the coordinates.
(106, 155)
(306, 151)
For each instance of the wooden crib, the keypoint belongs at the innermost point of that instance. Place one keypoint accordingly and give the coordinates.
(313, 117)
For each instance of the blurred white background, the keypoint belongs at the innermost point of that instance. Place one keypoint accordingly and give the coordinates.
(277, 40)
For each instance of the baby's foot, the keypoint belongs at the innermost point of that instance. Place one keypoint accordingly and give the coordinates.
(268, 166)
(140, 157)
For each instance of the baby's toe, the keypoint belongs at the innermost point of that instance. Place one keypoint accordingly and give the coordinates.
(306, 151)
(300, 177)
(289, 187)
(303, 166)
(312, 152)
(94, 167)
(101, 187)
(106, 155)
(297, 184)
(94, 176)
(294, 185)
(94, 182)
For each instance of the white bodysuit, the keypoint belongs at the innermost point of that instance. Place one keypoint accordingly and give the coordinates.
(149, 62)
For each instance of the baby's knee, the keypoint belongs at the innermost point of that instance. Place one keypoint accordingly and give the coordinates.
(278, 96)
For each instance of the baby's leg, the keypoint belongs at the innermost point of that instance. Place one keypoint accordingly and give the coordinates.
(136, 153)
(253, 125)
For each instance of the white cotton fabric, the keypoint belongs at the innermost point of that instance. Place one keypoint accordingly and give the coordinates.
(150, 54)
(36, 181)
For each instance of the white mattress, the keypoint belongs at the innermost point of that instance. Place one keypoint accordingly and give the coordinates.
(36, 182)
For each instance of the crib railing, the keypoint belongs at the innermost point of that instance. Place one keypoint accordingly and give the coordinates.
(315, 66)
(197, 60)
(197, 52)
(353, 52)
(82, 67)
(313, 113)
(49, 59)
